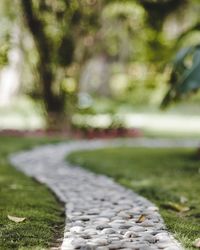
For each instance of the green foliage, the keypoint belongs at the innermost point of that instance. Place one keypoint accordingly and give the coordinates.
(185, 75)
(129, 18)
(158, 10)
(4, 48)
(6, 25)
(68, 34)
(162, 175)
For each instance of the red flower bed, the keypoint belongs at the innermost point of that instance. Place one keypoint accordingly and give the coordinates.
(77, 133)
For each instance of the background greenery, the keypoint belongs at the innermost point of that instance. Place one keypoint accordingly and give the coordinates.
(136, 39)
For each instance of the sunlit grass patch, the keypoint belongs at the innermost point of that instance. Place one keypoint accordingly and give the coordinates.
(21, 196)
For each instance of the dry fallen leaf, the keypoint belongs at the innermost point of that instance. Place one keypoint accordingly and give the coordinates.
(16, 219)
(197, 243)
(141, 218)
(176, 207)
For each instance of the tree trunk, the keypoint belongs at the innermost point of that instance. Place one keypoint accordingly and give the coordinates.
(58, 122)
(54, 103)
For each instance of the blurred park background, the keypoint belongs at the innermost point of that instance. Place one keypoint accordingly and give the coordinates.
(89, 65)
(100, 68)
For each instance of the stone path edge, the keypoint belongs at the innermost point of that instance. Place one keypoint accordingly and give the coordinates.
(84, 229)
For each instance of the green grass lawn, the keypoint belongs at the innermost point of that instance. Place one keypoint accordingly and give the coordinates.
(21, 196)
(167, 177)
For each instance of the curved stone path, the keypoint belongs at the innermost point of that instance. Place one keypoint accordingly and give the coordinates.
(100, 214)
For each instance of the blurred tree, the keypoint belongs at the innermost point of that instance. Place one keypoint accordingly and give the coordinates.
(37, 15)
(68, 34)
(56, 27)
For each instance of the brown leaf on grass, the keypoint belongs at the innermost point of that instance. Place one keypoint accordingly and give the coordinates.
(141, 218)
(196, 243)
(176, 207)
(16, 219)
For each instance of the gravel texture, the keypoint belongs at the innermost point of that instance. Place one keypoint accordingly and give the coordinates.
(100, 214)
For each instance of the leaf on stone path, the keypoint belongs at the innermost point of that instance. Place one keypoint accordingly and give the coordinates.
(196, 243)
(141, 218)
(176, 207)
(16, 219)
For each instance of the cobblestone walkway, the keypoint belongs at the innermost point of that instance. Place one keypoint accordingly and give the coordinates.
(100, 214)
